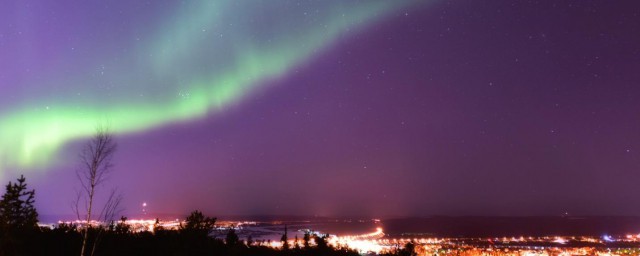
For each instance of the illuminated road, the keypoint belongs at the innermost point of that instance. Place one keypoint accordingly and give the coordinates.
(376, 242)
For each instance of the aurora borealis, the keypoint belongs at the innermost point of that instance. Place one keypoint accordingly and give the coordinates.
(350, 108)
(205, 57)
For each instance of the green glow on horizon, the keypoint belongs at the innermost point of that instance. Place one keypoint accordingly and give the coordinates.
(32, 138)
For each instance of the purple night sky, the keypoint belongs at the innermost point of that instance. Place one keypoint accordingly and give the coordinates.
(441, 107)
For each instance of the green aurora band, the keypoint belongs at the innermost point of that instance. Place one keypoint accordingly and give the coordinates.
(31, 138)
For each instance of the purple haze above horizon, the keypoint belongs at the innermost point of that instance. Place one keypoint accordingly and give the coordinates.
(446, 108)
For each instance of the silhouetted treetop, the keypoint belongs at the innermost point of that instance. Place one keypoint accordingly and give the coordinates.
(198, 224)
(16, 207)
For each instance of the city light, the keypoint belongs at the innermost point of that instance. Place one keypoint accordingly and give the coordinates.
(379, 242)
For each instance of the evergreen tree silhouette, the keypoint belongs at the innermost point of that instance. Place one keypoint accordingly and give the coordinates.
(232, 238)
(285, 240)
(16, 208)
(296, 245)
(18, 217)
(306, 238)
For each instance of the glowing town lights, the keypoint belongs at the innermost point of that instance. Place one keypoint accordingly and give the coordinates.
(365, 246)
(560, 240)
(275, 244)
(378, 242)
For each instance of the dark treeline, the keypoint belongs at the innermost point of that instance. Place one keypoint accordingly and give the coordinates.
(21, 235)
(120, 240)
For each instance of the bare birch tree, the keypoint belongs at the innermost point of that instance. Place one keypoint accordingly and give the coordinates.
(95, 165)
